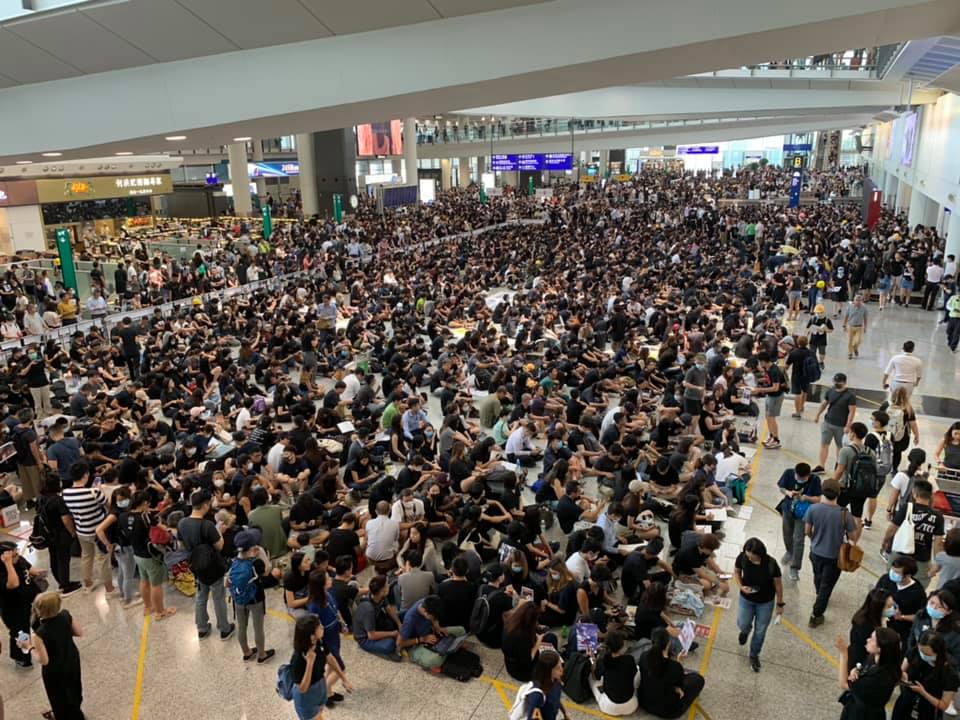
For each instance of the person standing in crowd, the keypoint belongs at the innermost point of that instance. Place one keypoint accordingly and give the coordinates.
(29, 459)
(931, 288)
(17, 591)
(877, 609)
(908, 595)
(200, 537)
(801, 489)
(52, 643)
(88, 507)
(867, 689)
(947, 453)
(839, 408)
(60, 532)
(310, 666)
(153, 573)
(819, 326)
(851, 461)
(758, 576)
(952, 312)
(855, 319)
(928, 528)
(901, 424)
(931, 682)
(828, 526)
(803, 373)
(246, 580)
(773, 389)
(904, 370)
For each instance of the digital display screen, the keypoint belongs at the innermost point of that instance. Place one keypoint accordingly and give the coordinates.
(381, 138)
(909, 137)
(698, 150)
(531, 162)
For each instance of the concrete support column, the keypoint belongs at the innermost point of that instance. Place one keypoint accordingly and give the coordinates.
(931, 213)
(240, 179)
(604, 163)
(261, 182)
(308, 175)
(464, 177)
(410, 151)
(903, 196)
(953, 235)
(890, 190)
(917, 208)
(445, 174)
(481, 166)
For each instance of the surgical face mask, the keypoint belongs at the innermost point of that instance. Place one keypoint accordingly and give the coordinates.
(838, 385)
(700, 366)
(190, 452)
(555, 576)
(219, 483)
(890, 611)
(517, 568)
(935, 613)
(895, 576)
(929, 659)
(123, 503)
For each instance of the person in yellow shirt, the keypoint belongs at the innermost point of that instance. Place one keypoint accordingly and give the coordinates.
(67, 308)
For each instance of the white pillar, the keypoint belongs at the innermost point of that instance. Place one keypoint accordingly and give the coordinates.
(903, 196)
(464, 173)
(953, 235)
(481, 167)
(445, 174)
(890, 190)
(918, 208)
(410, 151)
(604, 163)
(240, 179)
(260, 181)
(931, 213)
(308, 175)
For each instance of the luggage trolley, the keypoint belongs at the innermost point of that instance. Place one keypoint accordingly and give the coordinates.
(947, 495)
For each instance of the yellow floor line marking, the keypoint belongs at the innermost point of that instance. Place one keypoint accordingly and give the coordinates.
(755, 463)
(503, 696)
(705, 662)
(703, 712)
(281, 615)
(141, 662)
(820, 650)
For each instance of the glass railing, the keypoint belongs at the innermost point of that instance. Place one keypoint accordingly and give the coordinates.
(519, 128)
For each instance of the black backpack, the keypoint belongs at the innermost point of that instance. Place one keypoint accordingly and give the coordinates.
(207, 564)
(863, 479)
(576, 677)
(462, 665)
(40, 536)
(480, 615)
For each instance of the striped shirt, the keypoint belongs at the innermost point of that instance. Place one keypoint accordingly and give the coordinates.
(88, 507)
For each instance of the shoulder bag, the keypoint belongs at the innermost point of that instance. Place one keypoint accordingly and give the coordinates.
(850, 556)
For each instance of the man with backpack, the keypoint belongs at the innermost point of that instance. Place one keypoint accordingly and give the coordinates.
(879, 441)
(856, 471)
(200, 537)
(249, 575)
(804, 371)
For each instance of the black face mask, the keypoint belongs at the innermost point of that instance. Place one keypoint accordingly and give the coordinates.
(838, 386)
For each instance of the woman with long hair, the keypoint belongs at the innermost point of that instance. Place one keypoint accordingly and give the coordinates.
(942, 613)
(419, 539)
(322, 604)
(52, 644)
(667, 690)
(948, 450)
(559, 607)
(902, 481)
(615, 677)
(930, 683)
(868, 688)
(542, 700)
(877, 608)
(522, 640)
(760, 585)
(903, 420)
(309, 667)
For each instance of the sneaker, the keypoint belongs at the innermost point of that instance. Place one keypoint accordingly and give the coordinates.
(885, 555)
(228, 633)
(394, 657)
(755, 664)
(203, 634)
(796, 416)
(815, 621)
(70, 589)
(266, 656)
(787, 557)
(775, 445)
(849, 356)
(742, 637)
(793, 574)
(335, 697)
(818, 469)
(951, 710)
(867, 524)
(856, 353)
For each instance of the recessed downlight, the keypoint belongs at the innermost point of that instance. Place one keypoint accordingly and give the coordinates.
(24, 162)
(175, 138)
(242, 139)
(52, 154)
(124, 152)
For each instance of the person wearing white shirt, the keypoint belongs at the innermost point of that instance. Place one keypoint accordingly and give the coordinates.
(904, 370)
(579, 563)
(519, 447)
(33, 321)
(353, 385)
(96, 304)
(243, 419)
(729, 463)
(950, 268)
(383, 538)
(275, 454)
(407, 511)
(935, 274)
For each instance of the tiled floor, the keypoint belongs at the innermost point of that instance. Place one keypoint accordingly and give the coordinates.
(156, 671)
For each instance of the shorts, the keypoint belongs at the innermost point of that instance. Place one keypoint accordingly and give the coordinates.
(152, 570)
(831, 433)
(692, 406)
(772, 405)
(794, 295)
(856, 504)
(906, 284)
(798, 386)
(308, 704)
(884, 285)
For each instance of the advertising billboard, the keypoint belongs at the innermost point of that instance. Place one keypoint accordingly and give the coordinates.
(380, 138)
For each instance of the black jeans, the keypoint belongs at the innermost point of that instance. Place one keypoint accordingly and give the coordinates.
(133, 365)
(953, 333)
(17, 620)
(825, 576)
(930, 291)
(60, 561)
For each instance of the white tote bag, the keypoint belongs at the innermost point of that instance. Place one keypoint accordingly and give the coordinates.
(903, 541)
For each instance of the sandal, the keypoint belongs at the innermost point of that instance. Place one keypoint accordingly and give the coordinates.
(165, 614)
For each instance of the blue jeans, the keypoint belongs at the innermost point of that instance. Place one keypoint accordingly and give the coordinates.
(126, 573)
(758, 616)
(383, 646)
(218, 592)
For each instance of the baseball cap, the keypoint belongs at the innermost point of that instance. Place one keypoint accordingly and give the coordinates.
(246, 539)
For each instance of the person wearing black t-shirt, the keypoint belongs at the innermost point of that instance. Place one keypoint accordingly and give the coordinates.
(867, 690)
(308, 665)
(458, 594)
(642, 567)
(500, 602)
(572, 507)
(344, 540)
(760, 583)
(931, 682)
(615, 677)
(909, 597)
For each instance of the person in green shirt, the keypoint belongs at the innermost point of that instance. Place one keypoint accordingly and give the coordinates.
(269, 520)
(491, 406)
(953, 322)
(394, 408)
(501, 429)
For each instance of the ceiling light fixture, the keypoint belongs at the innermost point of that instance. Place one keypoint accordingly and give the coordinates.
(124, 152)
(52, 154)
(175, 138)
(24, 162)
(242, 139)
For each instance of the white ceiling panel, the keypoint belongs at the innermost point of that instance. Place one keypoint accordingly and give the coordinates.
(79, 40)
(344, 18)
(162, 28)
(26, 63)
(452, 8)
(254, 23)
